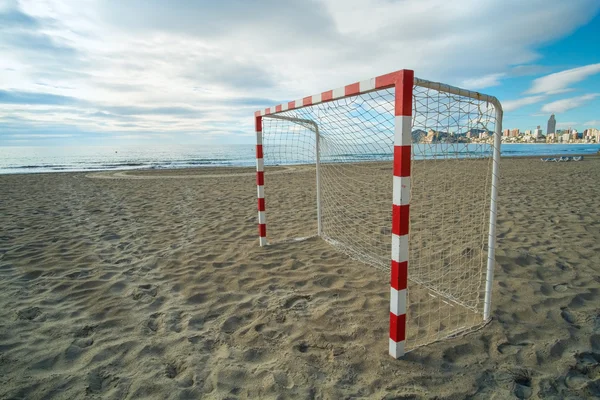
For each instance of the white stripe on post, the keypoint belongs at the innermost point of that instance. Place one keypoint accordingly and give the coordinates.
(403, 124)
(399, 248)
(396, 349)
(339, 92)
(398, 301)
(402, 196)
(262, 218)
(367, 85)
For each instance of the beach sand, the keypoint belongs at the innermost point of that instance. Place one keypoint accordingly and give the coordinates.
(151, 284)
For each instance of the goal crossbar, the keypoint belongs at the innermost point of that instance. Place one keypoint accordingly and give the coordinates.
(402, 83)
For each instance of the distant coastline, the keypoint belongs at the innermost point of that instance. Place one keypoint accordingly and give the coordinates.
(28, 160)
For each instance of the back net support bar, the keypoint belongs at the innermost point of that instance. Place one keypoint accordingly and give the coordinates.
(431, 150)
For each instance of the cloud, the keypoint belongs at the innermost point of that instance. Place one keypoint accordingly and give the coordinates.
(511, 105)
(566, 124)
(133, 110)
(41, 135)
(209, 19)
(559, 81)
(12, 17)
(483, 82)
(18, 97)
(563, 105)
(592, 123)
(527, 70)
(202, 67)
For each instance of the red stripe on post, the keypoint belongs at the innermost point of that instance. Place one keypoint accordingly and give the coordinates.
(354, 88)
(258, 123)
(278, 108)
(402, 160)
(259, 151)
(307, 101)
(404, 93)
(397, 327)
(399, 275)
(262, 230)
(291, 105)
(261, 204)
(400, 219)
(387, 80)
(260, 178)
(257, 114)
(327, 96)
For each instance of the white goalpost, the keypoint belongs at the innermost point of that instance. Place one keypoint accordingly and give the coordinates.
(429, 149)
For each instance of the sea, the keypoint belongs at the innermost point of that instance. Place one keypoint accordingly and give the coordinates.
(19, 160)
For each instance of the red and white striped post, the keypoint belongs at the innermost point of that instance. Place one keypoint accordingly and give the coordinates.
(260, 182)
(400, 210)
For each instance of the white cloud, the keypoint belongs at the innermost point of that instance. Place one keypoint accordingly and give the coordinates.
(564, 125)
(559, 81)
(511, 105)
(483, 82)
(563, 105)
(227, 58)
(592, 123)
(42, 135)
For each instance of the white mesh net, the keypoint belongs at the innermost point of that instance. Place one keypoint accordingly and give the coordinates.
(450, 194)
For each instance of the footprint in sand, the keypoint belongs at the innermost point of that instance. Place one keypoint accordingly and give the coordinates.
(145, 292)
(569, 317)
(99, 381)
(297, 302)
(511, 348)
(156, 322)
(85, 331)
(29, 313)
(522, 383)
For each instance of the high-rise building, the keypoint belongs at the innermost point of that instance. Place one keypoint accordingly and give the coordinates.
(506, 132)
(537, 132)
(551, 124)
(514, 132)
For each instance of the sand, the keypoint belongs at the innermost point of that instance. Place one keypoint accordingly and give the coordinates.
(140, 285)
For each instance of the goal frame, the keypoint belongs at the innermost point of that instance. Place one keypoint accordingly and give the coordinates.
(403, 82)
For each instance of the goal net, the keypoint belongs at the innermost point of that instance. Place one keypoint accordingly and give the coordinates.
(343, 153)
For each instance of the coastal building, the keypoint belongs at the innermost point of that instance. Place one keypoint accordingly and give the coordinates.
(537, 133)
(551, 125)
(565, 137)
(514, 132)
(506, 133)
(593, 134)
(551, 138)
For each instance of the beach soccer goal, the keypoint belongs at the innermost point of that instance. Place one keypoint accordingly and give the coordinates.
(403, 168)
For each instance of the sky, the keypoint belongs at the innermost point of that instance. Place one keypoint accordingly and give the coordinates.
(91, 72)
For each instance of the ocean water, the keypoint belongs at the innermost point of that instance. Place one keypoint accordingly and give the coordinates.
(15, 160)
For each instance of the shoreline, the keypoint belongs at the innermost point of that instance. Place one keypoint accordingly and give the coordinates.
(237, 169)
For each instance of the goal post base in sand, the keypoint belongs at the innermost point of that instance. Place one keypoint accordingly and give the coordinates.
(437, 149)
